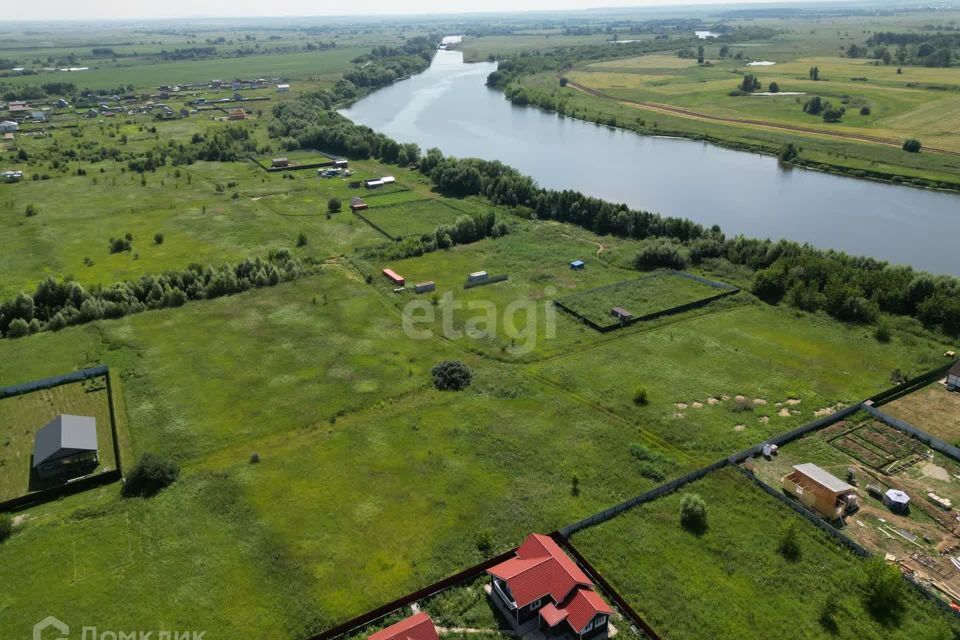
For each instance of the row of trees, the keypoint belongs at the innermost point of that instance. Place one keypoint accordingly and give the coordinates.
(56, 304)
(927, 49)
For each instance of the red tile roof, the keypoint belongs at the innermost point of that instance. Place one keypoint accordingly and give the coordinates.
(416, 627)
(553, 616)
(583, 606)
(541, 568)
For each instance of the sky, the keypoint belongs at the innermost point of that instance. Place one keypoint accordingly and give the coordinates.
(119, 9)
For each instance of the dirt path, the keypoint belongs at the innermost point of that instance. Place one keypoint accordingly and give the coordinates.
(695, 115)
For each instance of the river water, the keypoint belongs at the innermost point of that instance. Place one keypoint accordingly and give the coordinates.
(449, 107)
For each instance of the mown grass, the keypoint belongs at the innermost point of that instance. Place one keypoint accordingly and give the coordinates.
(411, 218)
(933, 409)
(731, 581)
(651, 294)
(22, 416)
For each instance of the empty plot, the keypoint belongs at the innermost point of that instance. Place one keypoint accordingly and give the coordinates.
(653, 294)
(410, 218)
(933, 409)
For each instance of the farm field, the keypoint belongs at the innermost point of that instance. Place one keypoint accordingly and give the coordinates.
(670, 575)
(916, 539)
(932, 409)
(22, 416)
(410, 218)
(651, 294)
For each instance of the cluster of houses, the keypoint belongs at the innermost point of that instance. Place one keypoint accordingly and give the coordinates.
(539, 589)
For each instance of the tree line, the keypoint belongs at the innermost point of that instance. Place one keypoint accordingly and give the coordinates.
(57, 303)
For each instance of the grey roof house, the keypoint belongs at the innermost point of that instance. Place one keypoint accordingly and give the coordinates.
(66, 447)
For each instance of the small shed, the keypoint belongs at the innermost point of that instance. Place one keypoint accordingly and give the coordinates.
(341, 163)
(817, 489)
(896, 500)
(92, 113)
(477, 276)
(38, 116)
(280, 162)
(357, 204)
(621, 314)
(66, 447)
(394, 277)
(388, 180)
(953, 377)
(237, 114)
(62, 103)
(373, 184)
(424, 287)
(283, 88)
(577, 265)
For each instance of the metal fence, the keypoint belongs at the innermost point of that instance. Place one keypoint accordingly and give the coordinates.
(931, 441)
(54, 381)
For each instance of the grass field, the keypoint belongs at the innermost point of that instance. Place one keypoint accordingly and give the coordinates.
(648, 295)
(671, 576)
(22, 416)
(410, 218)
(932, 409)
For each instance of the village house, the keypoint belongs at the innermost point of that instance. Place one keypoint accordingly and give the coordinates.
(283, 88)
(8, 126)
(357, 204)
(818, 490)
(280, 162)
(18, 107)
(577, 265)
(237, 114)
(416, 627)
(66, 447)
(542, 583)
(621, 314)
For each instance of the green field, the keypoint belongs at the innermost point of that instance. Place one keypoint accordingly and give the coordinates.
(680, 582)
(410, 218)
(652, 294)
(23, 415)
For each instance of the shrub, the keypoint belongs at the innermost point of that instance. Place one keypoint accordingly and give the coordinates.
(150, 476)
(6, 527)
(883, 333)
(30, 211)
(832, 115)
(158, 238)
(693, 513)
(658, 254)
(864, 110)
(640, 397)
(912, 145)
(652, 464)
(118, 245)
(451, 375)
(774, 88)
(334, 205)
(18, 328)
(789, 546)
(884, 590)
(254, 458)
(302, 239)
(815, 105)
(789, 152)
(484, 541)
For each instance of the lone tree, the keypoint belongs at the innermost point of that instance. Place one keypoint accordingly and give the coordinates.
(693, 513)
(832, 115)
(774, 87)
(750, 83)
(333, 205)
(815, 105)
(700, 54)
(884, 591)
(814, 73)
(789, 153)
(912, 145)
(451, 375)
(150, 476)
(789, 546)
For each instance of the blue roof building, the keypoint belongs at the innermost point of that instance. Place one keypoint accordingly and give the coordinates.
(577, 265)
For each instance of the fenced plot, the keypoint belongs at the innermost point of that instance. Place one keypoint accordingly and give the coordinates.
(21, 416)
(877, 445)
(651, 296)
(412, 218)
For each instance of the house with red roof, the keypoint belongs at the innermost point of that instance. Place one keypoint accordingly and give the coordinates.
(542, 583)
(416, 627)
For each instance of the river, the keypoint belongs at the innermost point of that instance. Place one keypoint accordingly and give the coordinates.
(449, 107)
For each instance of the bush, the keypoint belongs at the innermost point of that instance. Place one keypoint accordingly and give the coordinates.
(30, 211)
(789, 152)
(158, 238)
(6, 527)
(451, 375)
(254, 458)
(832, 115)
(884, 590)
(883, 333)
(912, 145)
(864, 110)
(652, 464)
(18, 328)
(693, 513)
(774, 88)
(334, 205)
(118, 245)
(789, 546)
(302, 239)
(640, 397)
(149, 477)
(659, 254)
